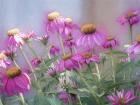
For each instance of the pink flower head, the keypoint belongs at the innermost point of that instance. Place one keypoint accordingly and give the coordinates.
(28, 36)
(90, 37)
(65, 96)
(9, 54)
(67, 63)
(3, 60)
(36, 62)
(122, 98)
(51, 24)
(14, 81)
(51, 72)
(69, 42)
(135, 48)
(131, 17)
(67, 27)
(54, 50)
(110, 43)
(86, 58)
(43, 39)
(14, 39)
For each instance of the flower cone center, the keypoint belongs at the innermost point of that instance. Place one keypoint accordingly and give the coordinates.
(53, 15)
(13, 72)
(2, 56)
(109, 38)
(86, 55)
(123, 101)
(68, 20)
(13, 32)
(130, 14)
(138, 38)
(88, 29)
(67, 56)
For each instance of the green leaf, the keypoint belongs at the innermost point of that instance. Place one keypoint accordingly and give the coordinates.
(40, 100)
(124, 66)
(87, 100)
(118, 53)
(48, 62)
(54, 101)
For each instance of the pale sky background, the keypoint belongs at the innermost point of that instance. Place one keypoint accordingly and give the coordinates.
(28, 14)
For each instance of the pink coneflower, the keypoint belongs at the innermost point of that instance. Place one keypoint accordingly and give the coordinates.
(90, 37)
(135, 48)
(131, 17)
(86, 58)
(14, 81)
(36, 62)
(67, 27)
(67, 63)
(14, 39)
(54, 50)
(53, 19)
(28, 36)
(122, 98)
(9, 54)
(69, 42)
(110, 43)
(43, 39)
(51, 72)
(3, 60)
(66, 97)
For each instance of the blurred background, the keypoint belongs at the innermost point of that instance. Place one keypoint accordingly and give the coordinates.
(28, 14)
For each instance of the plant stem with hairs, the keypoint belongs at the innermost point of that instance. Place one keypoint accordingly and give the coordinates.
(131, 33)
(98, 72)
(32, 50)
(113, 69)
(22, 99)
(1, 102)
(62, 45)
(28, 62)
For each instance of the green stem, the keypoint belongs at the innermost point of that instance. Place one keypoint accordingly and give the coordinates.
(131, 34)
(79, 100)
(32, 50)
(28, 62)
(98, 72)
(61, 43)
(1, 102)
(22, 99)
(113, 69)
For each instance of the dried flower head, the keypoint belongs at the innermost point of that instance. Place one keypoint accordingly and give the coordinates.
(14, 31)
(88, 28)
(53, 15)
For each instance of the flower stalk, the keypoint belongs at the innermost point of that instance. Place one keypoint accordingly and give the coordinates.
(28, 62)
(98, 71)
(22, 99)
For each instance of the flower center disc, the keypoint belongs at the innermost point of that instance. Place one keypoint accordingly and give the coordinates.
(138, 38)
(88, 29)
(67, 56)
(123, 101)
(68, 20)
(86, 55)
(13, 32)
(2, 56)
(130, 14)
(53, 15)
(109, 38)
(13, 72)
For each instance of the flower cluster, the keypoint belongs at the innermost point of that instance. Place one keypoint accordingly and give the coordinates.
(89, 68)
